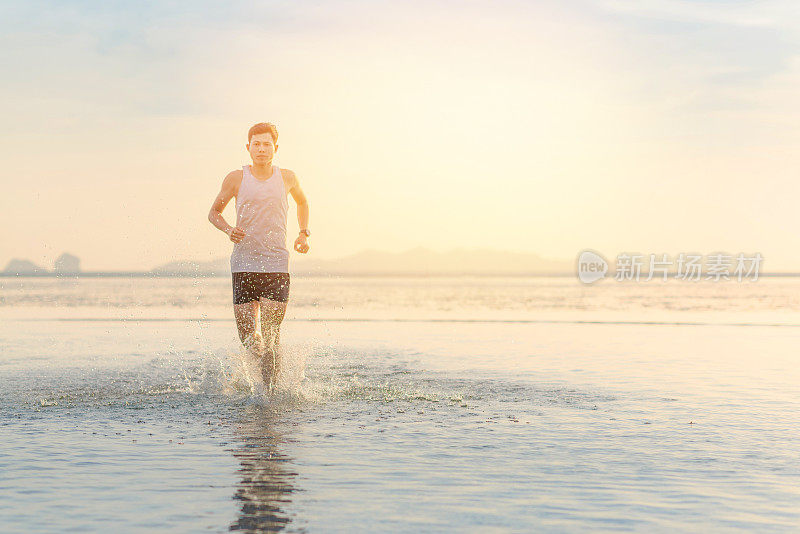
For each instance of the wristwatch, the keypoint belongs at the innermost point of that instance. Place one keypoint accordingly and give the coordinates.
(305, 233)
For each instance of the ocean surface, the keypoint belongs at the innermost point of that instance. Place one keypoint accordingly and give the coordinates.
(409, 405)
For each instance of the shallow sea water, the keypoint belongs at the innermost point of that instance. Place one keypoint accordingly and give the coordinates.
(418, 404)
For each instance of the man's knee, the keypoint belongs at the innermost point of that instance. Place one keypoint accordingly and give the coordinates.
(246, 319)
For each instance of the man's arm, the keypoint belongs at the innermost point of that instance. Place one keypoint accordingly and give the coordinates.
(301, 243)
(226, 193)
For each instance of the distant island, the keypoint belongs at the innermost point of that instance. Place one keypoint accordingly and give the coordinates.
(65, 265)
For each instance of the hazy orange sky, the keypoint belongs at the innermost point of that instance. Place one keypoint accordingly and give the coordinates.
(658, 126)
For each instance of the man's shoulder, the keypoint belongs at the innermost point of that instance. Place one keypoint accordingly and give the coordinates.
(234, 176)
(289, 177)
(232, 182)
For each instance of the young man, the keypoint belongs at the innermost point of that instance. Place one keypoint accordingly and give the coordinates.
(260, 259)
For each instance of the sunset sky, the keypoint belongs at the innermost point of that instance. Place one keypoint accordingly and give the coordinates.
(657, 126)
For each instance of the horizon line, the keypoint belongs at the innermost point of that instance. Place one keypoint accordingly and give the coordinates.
(187, 274)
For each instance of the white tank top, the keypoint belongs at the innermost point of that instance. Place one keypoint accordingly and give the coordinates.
(261, 208)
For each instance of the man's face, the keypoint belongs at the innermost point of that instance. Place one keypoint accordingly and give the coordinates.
(262, 148)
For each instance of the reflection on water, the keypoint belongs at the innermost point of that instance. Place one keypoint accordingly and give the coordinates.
(265, 488)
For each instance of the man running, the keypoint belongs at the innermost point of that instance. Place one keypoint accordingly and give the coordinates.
(260, 259)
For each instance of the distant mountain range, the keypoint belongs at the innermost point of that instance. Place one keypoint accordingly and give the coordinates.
(417, 261)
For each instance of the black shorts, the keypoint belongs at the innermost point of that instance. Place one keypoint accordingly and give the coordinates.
(248, 287)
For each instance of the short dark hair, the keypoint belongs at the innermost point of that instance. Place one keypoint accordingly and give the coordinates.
(263, 127)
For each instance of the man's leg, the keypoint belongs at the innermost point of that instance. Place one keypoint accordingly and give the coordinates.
(272, 312)
(246, 321)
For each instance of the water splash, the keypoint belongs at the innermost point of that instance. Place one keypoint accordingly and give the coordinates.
(239, 373)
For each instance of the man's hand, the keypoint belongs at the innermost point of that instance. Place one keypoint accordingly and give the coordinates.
(236, 234)
(301, 244)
